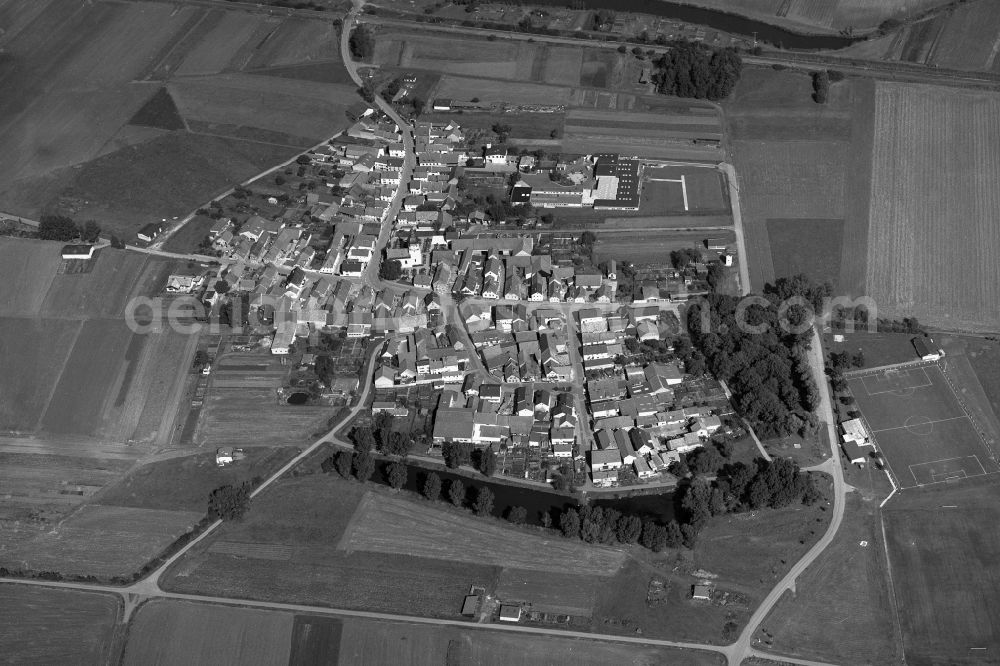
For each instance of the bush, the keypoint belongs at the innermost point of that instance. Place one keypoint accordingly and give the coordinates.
(483, 506)
(456, 493)
(396, 473)
(432, 486)
(517, 515)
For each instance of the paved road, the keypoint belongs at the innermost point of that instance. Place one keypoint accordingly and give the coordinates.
(742, 647)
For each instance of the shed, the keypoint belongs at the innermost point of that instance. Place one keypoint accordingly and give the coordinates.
(470, 605)
(510, 613)
(77, 251)
(701, 592)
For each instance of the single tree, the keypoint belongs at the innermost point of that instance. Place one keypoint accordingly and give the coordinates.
(456, 493)
(364, 466)
(222, 287)
(396, 473)
(90, 232)
(569, 523)
(628, 529)
(344, 463)
(483, 506)
(432, 486)
(518, 515)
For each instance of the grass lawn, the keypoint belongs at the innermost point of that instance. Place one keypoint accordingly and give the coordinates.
(187, 239)
(812, 247)
(842, 609)
(944, 554)
(878, 348)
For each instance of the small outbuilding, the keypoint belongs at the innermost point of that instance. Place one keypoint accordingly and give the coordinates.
(701, 593)
(470, 605)
(78, 251)
(510, 613)
(926, 349)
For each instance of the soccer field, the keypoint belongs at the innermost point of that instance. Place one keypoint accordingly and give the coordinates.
(920, 426)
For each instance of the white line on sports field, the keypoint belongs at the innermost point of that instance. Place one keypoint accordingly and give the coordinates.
(922, 423)
(684, 191)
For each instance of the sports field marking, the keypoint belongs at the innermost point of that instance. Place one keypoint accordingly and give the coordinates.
(946, 469)
(911, 427)
(897, 385)
(684, 191)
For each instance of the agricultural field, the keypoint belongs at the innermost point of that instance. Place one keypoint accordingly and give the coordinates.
(821, 16)
(422, 530)
(178, 632)
(806, 246)
(267, 557)
(963, 38)
(92, 162)
(934, 166)
(41, 625)
(27, 269)
(943, 557)
(96, 540)
(493, 91)
(525, 128)
(797, 160)
(842, 610)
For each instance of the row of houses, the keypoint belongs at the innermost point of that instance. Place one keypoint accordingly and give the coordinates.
(518, 346)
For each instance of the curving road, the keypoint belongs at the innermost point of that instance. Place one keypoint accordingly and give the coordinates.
(742, 647)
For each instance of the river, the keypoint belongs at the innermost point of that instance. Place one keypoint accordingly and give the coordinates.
(659, 506)
(724, 21)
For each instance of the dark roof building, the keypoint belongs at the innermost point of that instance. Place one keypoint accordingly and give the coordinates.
(627, 173)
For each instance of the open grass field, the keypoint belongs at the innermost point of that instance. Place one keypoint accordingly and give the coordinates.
(934, 168)
(699, 189)
(96, 540)
(19, 258)
(454, 54)
(47, 626)
(184, 483)
(921, 426)
(812, 247)
(316, 570)
(943, 557)
(842, 610)
(179, 632)
(103, 292)
(878, 348)
(422, 530)
(113, 60)
(523, 126)
(968, 39)
(315, 640)
(821, 15)
(743, 554)
(546, 591)
(645, 134)
(34, 353)
(797, 160)
(305, 109)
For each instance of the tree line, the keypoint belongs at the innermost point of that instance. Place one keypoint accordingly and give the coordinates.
(64, 229)
(689, 69)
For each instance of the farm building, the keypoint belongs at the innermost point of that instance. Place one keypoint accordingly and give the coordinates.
(701, 592)
(78, 251)
(149, 232)
(927, 350)
(442, 104)
(510, 613)
(283, 339)
(182, 284)
(470, 605)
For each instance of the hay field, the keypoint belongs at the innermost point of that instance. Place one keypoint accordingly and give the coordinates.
(843, 609)
(488, 90)
(969, 38)
(301, 108)
(562, 65)
(41, 625)
(103, 292)
(934, 242)
(96, 540)
(34, 353)
(812, 247)
(64, 124)
(821, 15)
(21, 257)
(315, 640)
(453, 54)
(547, 592)
(943, 564)
(88, 379)
(178, 632)
(424, 531)
(650, 247)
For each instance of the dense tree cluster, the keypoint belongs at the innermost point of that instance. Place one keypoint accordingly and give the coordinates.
(858, 318)
(821, 87)
(764, 365)
(229, 502)
(62, 228)
(689, 69)
(361, 43)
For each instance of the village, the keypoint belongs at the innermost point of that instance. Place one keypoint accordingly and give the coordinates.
(556, 366)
